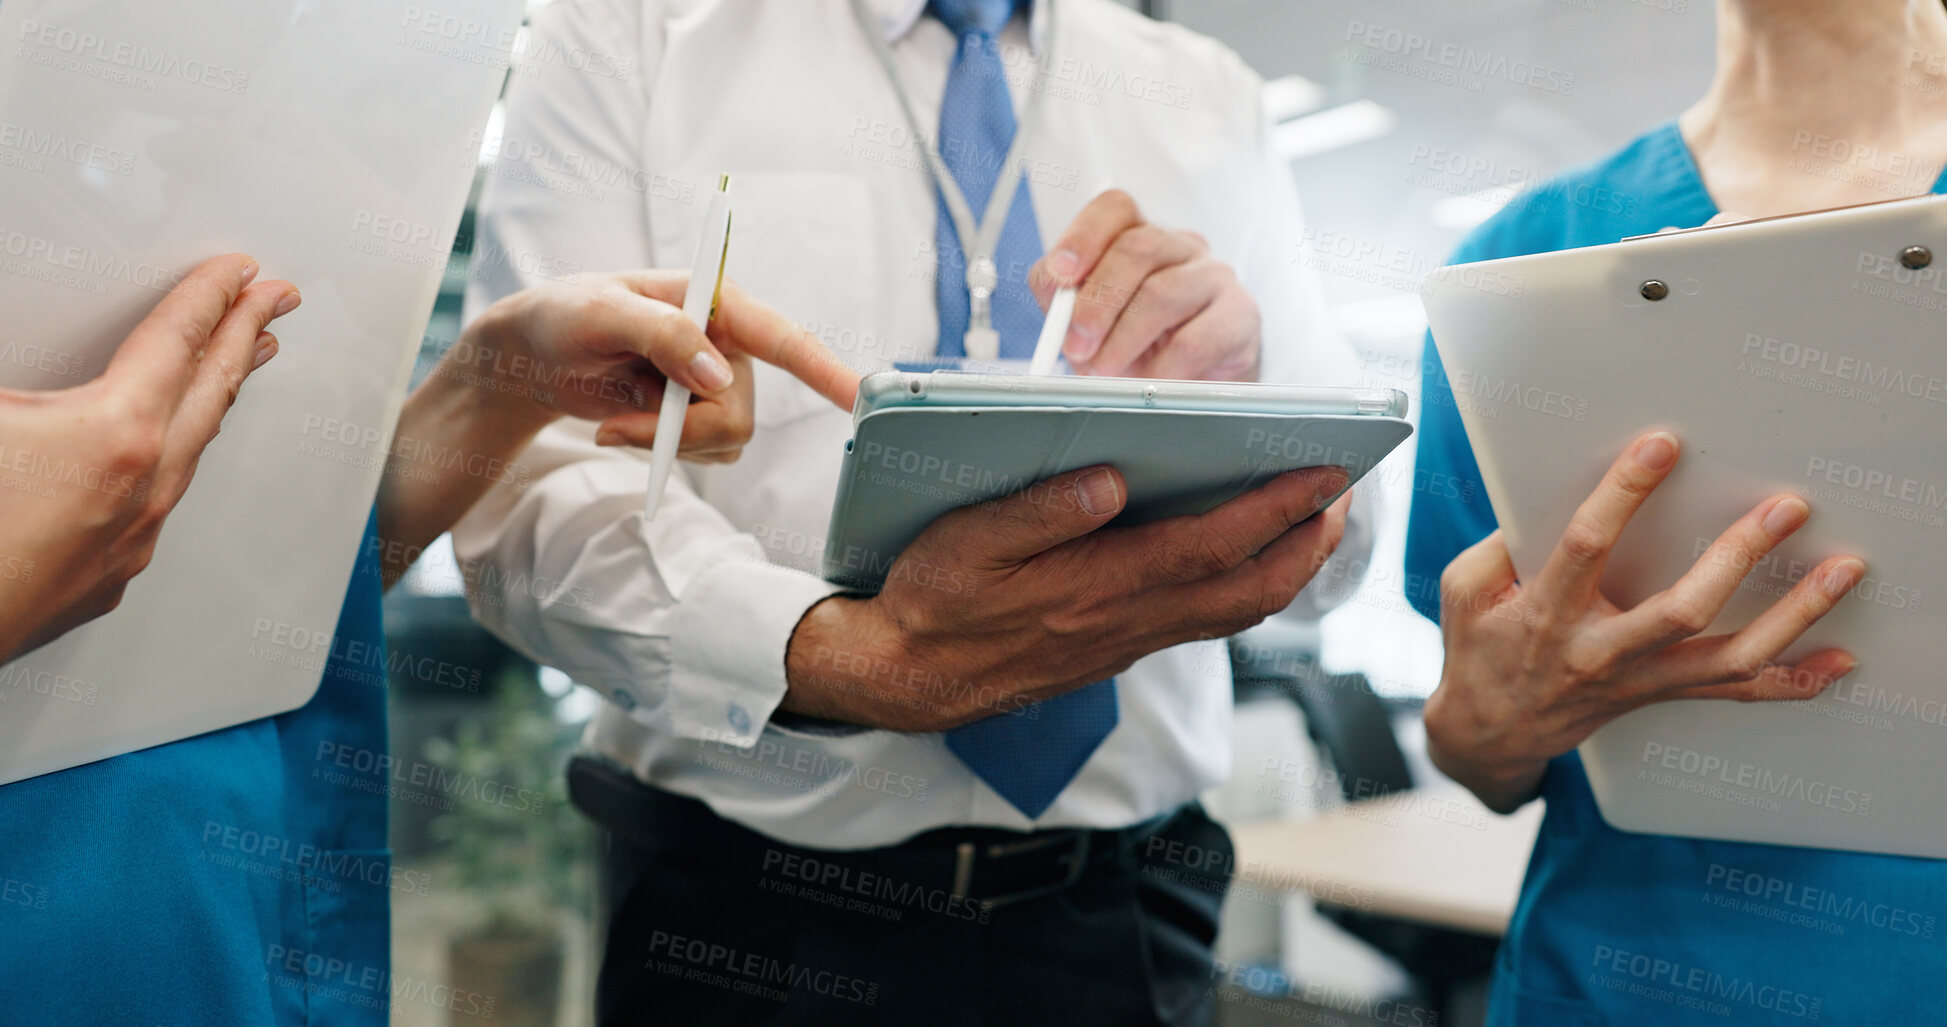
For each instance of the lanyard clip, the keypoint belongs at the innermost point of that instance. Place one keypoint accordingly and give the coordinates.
(982, 342)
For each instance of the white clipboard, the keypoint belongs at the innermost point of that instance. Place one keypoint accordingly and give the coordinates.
(335, 142)
(925, 444)
(1805, 354)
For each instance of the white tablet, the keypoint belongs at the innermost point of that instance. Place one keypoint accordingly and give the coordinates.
(926, 443)
(1804, 355)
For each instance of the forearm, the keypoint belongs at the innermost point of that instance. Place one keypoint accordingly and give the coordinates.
(834, 670)
(458, 435)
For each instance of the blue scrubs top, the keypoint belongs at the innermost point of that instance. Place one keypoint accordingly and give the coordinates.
(235, 878)
(1626, 929)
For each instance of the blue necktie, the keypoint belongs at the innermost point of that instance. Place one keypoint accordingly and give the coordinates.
(1027, 756)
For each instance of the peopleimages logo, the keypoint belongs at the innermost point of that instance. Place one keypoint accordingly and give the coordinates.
(339, 980)
(875, 893)
(1849, 369)
(1878, 699)
(752, 973)
(20, 679)
(65, 149)
(87, 46)
(79, 267)
(43, 359)
(1684, 984)
(1821, 901)
(1411, 46)
(1875, 481)
(1705, 767)
(1775, 575)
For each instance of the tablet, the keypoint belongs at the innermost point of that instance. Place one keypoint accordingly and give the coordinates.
(926, 443)
(1798, 355)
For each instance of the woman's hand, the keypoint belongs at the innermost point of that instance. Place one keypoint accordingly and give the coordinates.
(1534, 668)
(600, 350)
(90, 473)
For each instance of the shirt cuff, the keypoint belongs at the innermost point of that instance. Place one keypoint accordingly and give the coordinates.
(727, 645)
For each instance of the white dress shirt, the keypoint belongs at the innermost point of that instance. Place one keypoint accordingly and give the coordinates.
(615, 131)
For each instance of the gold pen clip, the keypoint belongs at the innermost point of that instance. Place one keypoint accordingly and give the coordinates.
(723, 259)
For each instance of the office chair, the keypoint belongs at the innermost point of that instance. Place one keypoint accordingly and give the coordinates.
(1353, 729)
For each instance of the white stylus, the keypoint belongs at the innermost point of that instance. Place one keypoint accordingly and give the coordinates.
(1061, 311)
(1047, 349)
(699, 302)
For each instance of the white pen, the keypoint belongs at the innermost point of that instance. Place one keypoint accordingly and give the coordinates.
(1061, 311)
(699, 302)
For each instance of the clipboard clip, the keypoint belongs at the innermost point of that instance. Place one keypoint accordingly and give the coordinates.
(1913, 258)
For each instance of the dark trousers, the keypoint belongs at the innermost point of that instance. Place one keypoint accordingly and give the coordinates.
(720, 925)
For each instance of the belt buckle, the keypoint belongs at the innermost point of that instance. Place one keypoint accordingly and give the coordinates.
(967, 854)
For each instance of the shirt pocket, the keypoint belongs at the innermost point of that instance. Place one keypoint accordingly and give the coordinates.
(801, 242)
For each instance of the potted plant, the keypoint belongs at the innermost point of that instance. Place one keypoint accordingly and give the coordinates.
(518, 849)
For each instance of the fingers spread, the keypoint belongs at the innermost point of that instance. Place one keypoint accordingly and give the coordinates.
(1779, 683)
(157, 362)
(1574, 570)
(1693, 603)
(1728, 659)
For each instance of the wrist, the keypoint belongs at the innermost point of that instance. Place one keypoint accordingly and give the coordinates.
(842, 664)
(1502, 783)
(1502, 786)
(488, 374)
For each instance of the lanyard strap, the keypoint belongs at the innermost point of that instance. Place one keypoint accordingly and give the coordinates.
(983, 275)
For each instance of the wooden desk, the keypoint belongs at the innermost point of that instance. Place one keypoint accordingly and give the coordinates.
(1430, 856)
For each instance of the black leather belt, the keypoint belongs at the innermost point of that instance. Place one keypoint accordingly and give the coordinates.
(986, 866)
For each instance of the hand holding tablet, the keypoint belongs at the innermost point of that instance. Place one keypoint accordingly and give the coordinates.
(926, 444)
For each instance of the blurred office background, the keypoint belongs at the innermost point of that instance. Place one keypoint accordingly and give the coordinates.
(1406, 123)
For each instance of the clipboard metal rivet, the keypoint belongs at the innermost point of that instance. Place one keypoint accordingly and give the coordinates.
(1654, 290)
(1916, 257)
